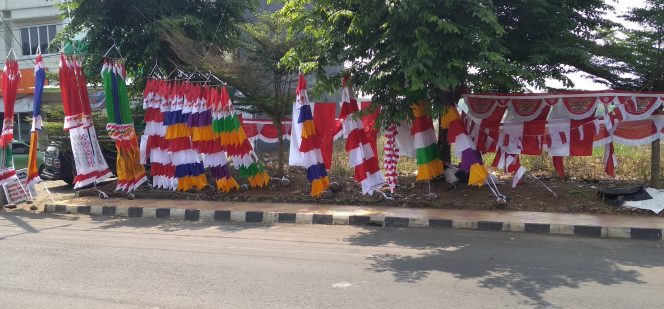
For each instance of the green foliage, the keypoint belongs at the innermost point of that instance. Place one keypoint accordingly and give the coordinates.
(638, 54)
(399, 51)
(138, 29)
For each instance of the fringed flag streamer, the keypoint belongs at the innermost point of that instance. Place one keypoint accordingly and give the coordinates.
(90, 164)
(424, 140)
(510, 163)
(310, 145)
(234, 140)
(188, 165)
(391, 156)
(464, 148)
(10, 81)
(131, 174)
(155, 98)
(40, 78)
(217, 159)
(360, 153)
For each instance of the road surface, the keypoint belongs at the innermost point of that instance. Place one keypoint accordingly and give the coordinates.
(80, 262)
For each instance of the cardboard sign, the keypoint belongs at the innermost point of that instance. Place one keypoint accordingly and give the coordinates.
(14, 192)
(22, 175)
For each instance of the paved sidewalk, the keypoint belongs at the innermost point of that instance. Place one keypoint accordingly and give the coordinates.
(610, 226)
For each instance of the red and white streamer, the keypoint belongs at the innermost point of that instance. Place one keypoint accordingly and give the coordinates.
(391, 156)
(360, 154)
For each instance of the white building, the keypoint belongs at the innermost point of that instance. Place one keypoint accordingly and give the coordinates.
(28, 26)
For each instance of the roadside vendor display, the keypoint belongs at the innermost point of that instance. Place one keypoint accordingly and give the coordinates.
(391, 157)
(162, 170)
(563, 124)
(188, 163)
(235, 142)
(360, 153)
(90, 165)
(192, 127)
(309, 147)
(40, 78)
(131, 174)
(10, 81)
(429, 164)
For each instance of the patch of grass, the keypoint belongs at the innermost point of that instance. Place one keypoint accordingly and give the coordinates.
(633, 163)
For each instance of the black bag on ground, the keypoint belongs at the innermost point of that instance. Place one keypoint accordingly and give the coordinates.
(616, 196)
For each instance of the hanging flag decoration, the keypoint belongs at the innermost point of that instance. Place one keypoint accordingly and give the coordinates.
(564, 124)
(424, 140)
(188, 165)
(464, 148)
(90, 164)
(234, 140)
(216, 158)
(131, 174)
(155, 100)
(391, 156)
(310, 143)
(360, 153)
(10, 80)
(40, 79)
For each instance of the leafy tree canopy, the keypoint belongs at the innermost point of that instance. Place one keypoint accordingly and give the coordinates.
(637, 53)
(138, 27)
(400, 51)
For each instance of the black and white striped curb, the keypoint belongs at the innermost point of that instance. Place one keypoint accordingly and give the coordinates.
(377, 220)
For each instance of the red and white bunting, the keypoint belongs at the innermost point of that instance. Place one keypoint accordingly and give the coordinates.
(360, 154)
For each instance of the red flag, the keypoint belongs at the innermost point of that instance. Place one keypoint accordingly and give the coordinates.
(558, 165)
(369, 123)
(326, 127)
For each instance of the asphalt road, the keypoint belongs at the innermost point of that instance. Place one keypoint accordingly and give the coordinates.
(78, 262)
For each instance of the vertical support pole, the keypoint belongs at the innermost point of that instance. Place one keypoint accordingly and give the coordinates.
(655, 157)
(18, 124)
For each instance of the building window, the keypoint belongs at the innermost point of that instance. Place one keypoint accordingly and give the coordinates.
(32, 37)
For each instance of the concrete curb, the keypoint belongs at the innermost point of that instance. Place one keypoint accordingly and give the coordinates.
(384, 221)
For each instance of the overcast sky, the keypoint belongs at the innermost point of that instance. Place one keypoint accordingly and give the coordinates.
(622, 6)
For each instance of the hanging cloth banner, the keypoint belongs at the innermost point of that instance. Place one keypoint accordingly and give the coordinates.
(429, 164)
(162, 170)
(89, 160)
(217, 159)
(327, 127)
(488, 112)
(362, 158)
(10, 80)
(40, 79)
(265, 131)
(235, 142)
(131, 174)
(391, 157)
(189, 169)
(573, 128)
(309, 146)
(369, 123)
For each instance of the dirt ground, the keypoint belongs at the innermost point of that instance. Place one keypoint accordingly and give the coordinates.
(572, 196)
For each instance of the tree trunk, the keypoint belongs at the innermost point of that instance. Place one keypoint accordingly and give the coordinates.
(444, 147)
(449, 98)
(655, 156)
(280, 147)
(277, 119)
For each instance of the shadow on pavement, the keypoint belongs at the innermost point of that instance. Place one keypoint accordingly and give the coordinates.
(174, 225)
(512, 262)
(16, 218)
